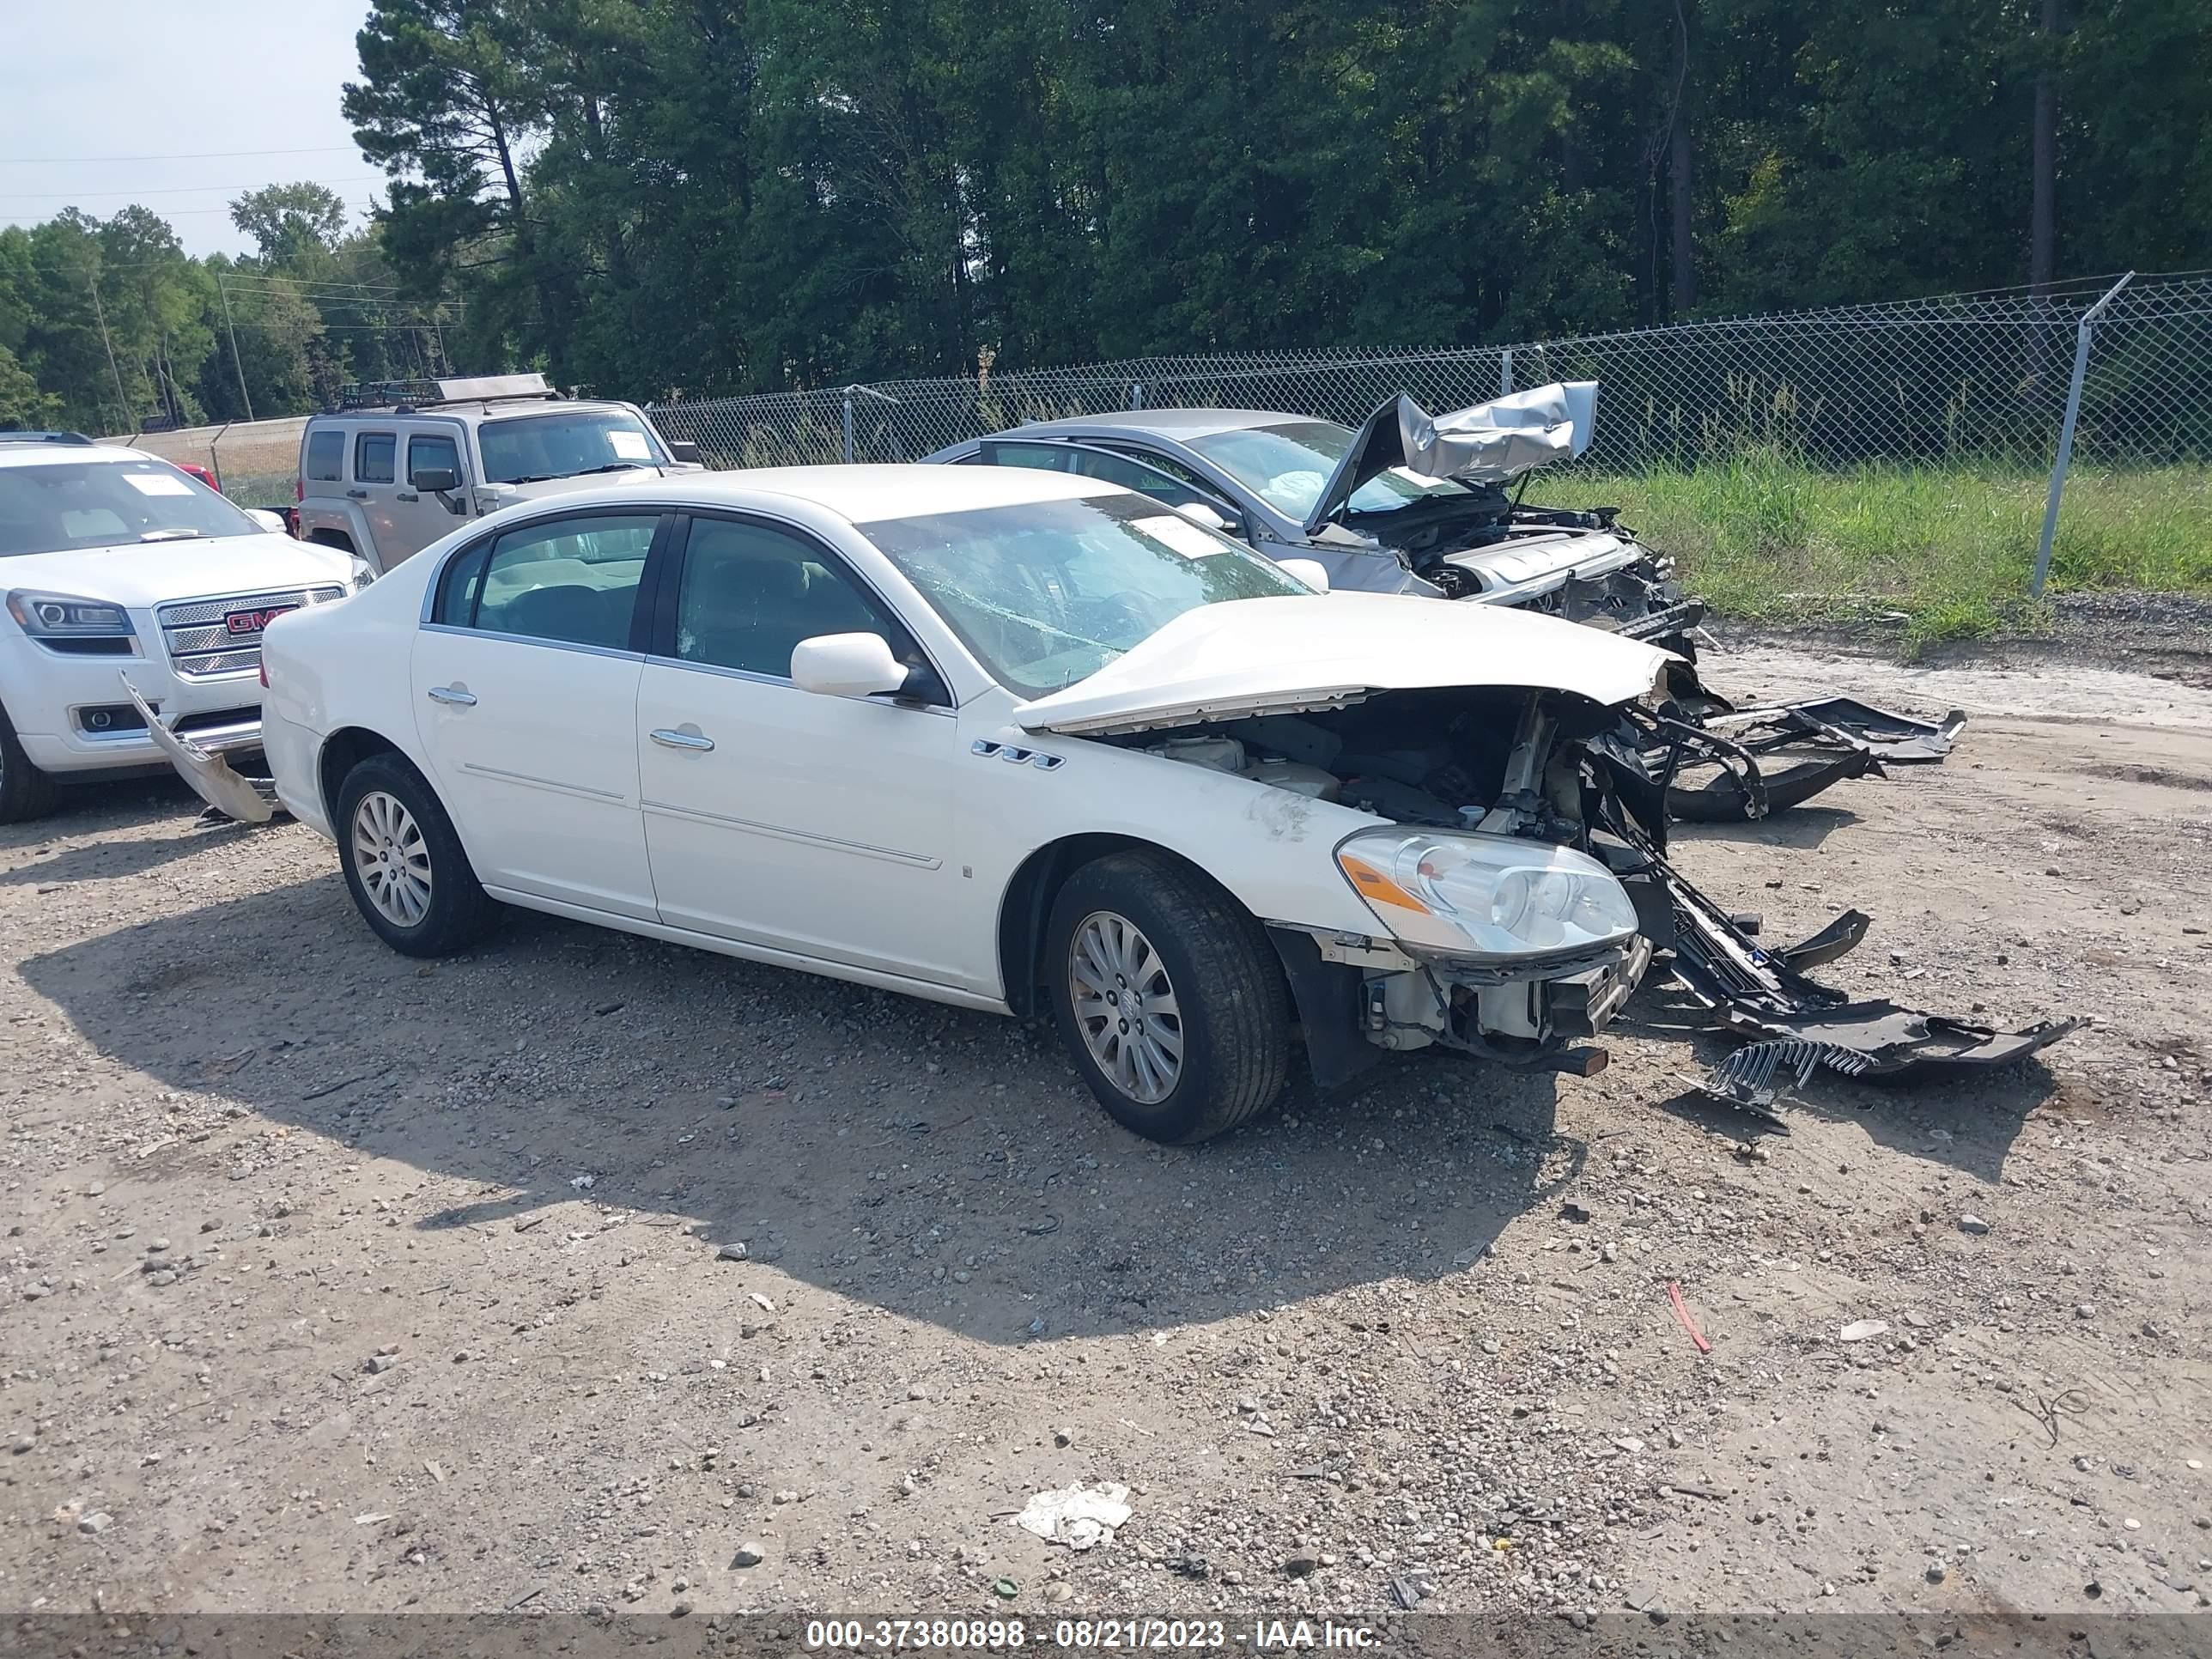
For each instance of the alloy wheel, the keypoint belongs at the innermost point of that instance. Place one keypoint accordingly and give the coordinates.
(1125, 1006)
(392, 859)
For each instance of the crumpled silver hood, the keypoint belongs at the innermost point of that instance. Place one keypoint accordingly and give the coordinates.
(1491, 443)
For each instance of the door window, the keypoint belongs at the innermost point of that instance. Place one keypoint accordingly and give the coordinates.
(750, 593)
(428, 453)
(572, 581)
(1143, 477)
(1168, 464)
(372, 457)
(1045, 458)
(326, 457)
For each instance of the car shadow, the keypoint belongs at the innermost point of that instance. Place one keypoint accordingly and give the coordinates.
(99, 808)
(1801, 828)
(1965, 1118)
(942, 1164)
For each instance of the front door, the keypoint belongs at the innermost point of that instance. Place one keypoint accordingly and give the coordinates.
(817, 825)
(525, 699)
(406, 516)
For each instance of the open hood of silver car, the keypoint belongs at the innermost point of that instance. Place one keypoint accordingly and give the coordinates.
(1488, 443)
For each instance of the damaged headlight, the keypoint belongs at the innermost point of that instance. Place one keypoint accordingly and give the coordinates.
(1485, 895)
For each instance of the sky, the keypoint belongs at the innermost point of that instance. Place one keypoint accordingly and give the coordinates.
(104, 103)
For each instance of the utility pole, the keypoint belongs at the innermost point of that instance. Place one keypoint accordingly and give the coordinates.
(124, 402)
(236, 361)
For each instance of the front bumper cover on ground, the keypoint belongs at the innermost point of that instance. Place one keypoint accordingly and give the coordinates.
(248, 801)
(1794, 1025)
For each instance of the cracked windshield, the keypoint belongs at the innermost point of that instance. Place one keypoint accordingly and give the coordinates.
(1049, 592)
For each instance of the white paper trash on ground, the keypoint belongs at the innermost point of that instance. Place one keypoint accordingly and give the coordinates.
(1077, 1515)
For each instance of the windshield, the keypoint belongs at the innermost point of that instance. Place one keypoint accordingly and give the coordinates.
(1049, 593)
(541, 446)
(50, 507)
(1287, 466)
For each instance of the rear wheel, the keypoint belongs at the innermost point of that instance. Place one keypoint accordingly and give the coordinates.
(25, 790)
(404, 865)
(1169, 998)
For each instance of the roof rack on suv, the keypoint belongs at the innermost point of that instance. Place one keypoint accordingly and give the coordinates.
(400, 396)
(43, 438)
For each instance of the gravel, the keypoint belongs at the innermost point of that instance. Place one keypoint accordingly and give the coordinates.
(1356, 1354)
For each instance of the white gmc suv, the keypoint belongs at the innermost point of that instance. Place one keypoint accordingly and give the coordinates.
(117, 569)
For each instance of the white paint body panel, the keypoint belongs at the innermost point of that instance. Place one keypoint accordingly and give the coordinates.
(816, 824)
(540, 772)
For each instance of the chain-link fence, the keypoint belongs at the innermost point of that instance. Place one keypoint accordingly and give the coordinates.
(1981, 381)
(255, 463)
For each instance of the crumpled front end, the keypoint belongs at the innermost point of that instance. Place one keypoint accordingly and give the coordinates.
(1513, 779)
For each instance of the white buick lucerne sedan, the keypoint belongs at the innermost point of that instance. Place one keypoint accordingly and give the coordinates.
(1016, 740)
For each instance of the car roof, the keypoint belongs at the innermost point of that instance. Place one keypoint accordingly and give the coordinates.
(48, 451)
(1166, 422)
(477, 409)
(863, 494)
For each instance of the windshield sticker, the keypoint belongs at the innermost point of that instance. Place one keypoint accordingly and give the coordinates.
(158, 483)
(1179, 535)
(630, 446)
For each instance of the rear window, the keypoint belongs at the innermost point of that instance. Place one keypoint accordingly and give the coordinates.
(373, 457)
(325, 456)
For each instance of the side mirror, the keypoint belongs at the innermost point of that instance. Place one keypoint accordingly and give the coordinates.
(1200, 514)
(684, 454)
(847, 665)
(1312, 572)
(438, 480)
(271, 522)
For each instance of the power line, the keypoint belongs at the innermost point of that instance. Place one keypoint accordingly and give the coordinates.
(175, 156)
(179, 213)
(189, 190)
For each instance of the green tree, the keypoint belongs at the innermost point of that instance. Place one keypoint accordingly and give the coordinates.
(297, 227)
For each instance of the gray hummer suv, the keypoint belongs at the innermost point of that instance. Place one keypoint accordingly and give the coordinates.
(400, 464)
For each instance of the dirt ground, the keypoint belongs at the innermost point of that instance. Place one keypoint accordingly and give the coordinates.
(336, 1282)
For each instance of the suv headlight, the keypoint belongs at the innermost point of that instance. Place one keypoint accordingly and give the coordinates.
(362, 573)
(1489, 895)
(61, 616)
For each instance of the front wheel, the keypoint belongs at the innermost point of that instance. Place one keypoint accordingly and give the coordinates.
(25, 791)
(1169, 998)
(404, 863)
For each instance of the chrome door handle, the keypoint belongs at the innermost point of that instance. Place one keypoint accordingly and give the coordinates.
(682, 740)
(453, 694)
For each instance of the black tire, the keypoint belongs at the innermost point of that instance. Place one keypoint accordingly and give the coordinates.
(456, 910)
(25, 793)
(1233, 1021)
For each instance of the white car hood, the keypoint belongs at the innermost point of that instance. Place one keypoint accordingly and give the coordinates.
(143, 574)
(1282, 655)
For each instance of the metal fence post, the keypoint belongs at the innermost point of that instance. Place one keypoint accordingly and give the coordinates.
(849, 426)
(2083, 330)
(1506, 371)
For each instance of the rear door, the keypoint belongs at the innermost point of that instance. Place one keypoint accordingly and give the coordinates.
(373, 481)
(525, 683)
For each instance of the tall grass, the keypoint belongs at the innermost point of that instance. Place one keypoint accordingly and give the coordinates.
(1766, 538)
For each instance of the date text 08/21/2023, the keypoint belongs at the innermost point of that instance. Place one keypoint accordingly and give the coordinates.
(1110, 1635)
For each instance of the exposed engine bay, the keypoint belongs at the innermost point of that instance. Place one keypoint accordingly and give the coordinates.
(1549, 766)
